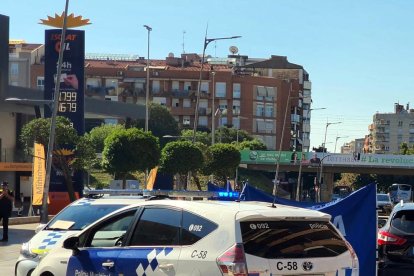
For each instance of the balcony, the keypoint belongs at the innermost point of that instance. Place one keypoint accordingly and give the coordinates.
(202, 111)
(307, 85)
(180, 93)
(93, 91)
(236, 111)
(182, 111)
(295, 118)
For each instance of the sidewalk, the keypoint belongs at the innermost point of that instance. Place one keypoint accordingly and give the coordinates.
(9, 251)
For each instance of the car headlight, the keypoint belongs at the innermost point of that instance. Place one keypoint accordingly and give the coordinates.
(26, 252)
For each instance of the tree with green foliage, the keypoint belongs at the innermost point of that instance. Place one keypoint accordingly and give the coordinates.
(130, 150)
(181, 157)
(254, 144)
(228, 135)
(201, 136)
(405, 149)
(72, 152)
(97, 135)
(160, 121)
(356, 180)
(222, 161)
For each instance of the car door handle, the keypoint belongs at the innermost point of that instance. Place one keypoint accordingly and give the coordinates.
(108, 264)
(166, 266)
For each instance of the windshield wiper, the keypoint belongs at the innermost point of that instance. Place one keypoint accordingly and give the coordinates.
(58, 229)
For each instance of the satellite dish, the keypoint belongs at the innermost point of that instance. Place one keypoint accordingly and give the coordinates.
(170, 55)
(233, 50)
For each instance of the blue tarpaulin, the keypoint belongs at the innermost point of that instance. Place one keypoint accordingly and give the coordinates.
(354, 215)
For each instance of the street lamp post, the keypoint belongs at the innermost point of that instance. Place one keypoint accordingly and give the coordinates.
(275, 184)
(206, 42)
(222, 112)
(237, 143)
(213, 111)
(323, 157)
(298, 186)
(336, 140)
(318, 194)
(149, 29)
(44, 211)
(326, 131)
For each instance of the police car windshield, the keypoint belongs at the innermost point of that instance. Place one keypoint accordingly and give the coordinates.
(77, 217)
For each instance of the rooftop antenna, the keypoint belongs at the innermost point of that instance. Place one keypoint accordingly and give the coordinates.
(183, 41)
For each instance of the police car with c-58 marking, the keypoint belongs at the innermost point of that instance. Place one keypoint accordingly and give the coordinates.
(178, 237)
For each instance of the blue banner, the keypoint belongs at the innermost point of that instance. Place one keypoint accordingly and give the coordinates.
(354, 216)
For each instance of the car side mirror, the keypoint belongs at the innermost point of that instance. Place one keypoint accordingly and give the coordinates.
(72, 243)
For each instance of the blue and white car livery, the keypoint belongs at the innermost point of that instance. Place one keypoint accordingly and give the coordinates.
(179, 237)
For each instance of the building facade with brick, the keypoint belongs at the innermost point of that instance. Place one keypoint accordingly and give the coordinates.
(250, 94)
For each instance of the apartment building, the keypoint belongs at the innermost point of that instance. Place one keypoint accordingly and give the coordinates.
(354, 147)
(250, 94)
(389, 130)
(14, 164)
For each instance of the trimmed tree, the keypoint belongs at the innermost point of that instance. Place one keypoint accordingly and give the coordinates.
(181, 157)
(222, 161)
(130, 150)
(254, 144)
(160, 121)
(71, 152)
(200, 136)
(97, 135)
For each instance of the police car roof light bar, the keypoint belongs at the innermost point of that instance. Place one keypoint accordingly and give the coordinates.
(165, 193)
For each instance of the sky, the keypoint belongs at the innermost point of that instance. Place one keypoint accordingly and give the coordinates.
(359, 54)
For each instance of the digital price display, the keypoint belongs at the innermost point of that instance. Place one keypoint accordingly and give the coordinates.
(67, 101)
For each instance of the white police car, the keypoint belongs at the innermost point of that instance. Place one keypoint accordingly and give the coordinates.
(71, 220)
(179, 237)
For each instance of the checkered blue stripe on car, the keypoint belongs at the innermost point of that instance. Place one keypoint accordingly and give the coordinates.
(149, 264)
(51, 239)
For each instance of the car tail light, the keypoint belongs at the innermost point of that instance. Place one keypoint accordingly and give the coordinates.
(386, 238)
(353, 255)
(233, 261)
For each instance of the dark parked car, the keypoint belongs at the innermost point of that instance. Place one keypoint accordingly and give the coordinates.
(396, 242)
(382, 220)
(384, 204)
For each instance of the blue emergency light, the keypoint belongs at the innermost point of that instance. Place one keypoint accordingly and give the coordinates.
(228, 195)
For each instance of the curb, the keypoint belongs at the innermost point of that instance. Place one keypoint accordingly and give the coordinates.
(25, 220)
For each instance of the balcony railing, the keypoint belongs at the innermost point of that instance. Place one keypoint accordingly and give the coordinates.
(180, 94)
(182, 111)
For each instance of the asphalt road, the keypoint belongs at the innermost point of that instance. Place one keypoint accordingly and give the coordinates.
(9, 251)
